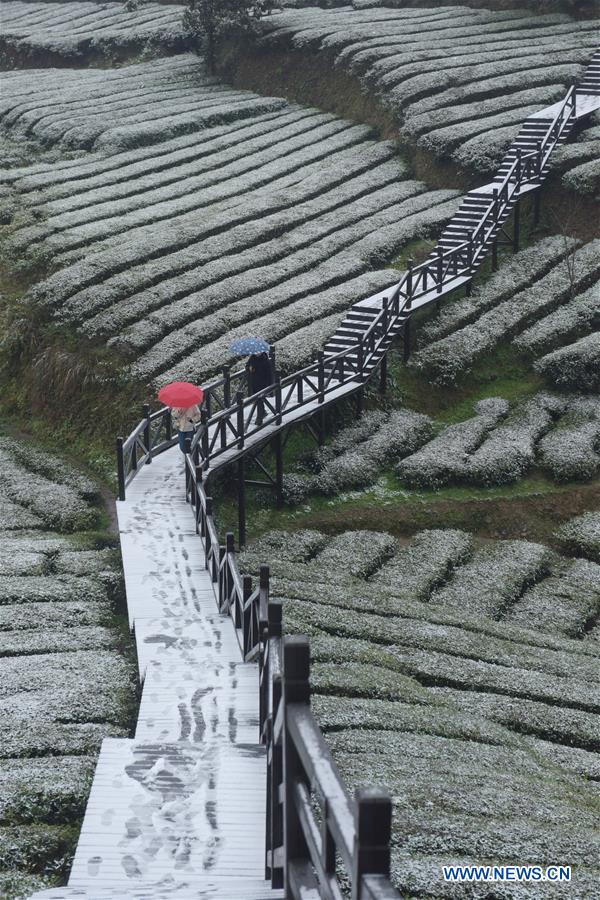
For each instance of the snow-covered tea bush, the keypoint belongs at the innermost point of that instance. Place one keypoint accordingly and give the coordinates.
(426, 562)
(509, 450)
(581, 535)
(35, 33)
(562, 603)
(515, 274)
(54, 500)
(358, 553)
(576, 366)
(451, 357)
(458, 81)
(569, 322)
(63, 684)
(571, 450)
(399, 434)
(446, 457)
(495, 577)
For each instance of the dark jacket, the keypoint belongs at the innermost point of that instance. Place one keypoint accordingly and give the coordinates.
(259, 372)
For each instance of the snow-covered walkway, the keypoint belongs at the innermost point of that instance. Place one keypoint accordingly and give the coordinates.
(179, 810)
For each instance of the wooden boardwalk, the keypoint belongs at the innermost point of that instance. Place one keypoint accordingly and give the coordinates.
(179, 810)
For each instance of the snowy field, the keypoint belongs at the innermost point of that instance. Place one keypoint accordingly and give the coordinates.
(169, 214)
(64, 683)
(35, 34)
(458, 81)
(232, 221)
(546, 300)
(557, 434)
(456, 673)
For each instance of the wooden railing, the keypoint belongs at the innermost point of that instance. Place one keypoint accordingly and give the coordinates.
(230, 419)
(152, 435)
(464, 259)
(235, 594)
(301, 851)
(317, 834)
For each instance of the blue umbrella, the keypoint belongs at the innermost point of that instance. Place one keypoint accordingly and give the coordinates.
(248, 345)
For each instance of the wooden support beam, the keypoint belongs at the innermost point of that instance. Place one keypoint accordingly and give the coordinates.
(383, 374)
(537, 206)
(373, 829)
(278, 447)
(241, 487)
(121, 468)
(296, 690)
(360, 402)
(406, 341)
(321, 427)
(517, 227)
(495, 256)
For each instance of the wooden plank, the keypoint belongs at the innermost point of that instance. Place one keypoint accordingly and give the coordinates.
(184, 802)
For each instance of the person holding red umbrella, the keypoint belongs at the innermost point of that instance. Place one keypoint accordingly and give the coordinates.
(184, 399)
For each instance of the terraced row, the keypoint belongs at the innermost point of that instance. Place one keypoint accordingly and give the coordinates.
(438, 671)
(35, 34)
(225, 228)
(557, 434)
(546, 300)
(64, 681)
(458, 81)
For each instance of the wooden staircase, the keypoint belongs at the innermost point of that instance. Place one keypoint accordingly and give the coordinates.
(590, 83)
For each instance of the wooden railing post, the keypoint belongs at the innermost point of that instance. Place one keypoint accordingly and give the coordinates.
(241, 489)
(409, 283)
(272, 354)
(517, 227)
(168, 423)
(360, 358)
(147, 432)
(226, 370)
(574, 98)
(204, 438)
(208, 515)
(321, 376)
(278, 447)
(406, 339)
(296, 692)
(197, 502)
(440, 269)
(227, 580)
(278, 412)
(373, 830)
(274, 752)
(519, 169)
(242, 614)
(120, 468)
(239, 399)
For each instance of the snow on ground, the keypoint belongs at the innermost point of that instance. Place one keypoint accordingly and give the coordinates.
(458, 81)
(558, 434)
(34, 34)
(546, 299)
(64, 682)
(454, 673)
(229, 214)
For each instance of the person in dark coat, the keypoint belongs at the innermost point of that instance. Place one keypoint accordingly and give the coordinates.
(259, 372)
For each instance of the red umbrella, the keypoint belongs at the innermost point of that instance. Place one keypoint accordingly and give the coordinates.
(180, 393)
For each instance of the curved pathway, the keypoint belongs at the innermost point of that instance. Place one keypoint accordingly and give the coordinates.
(179, 809)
